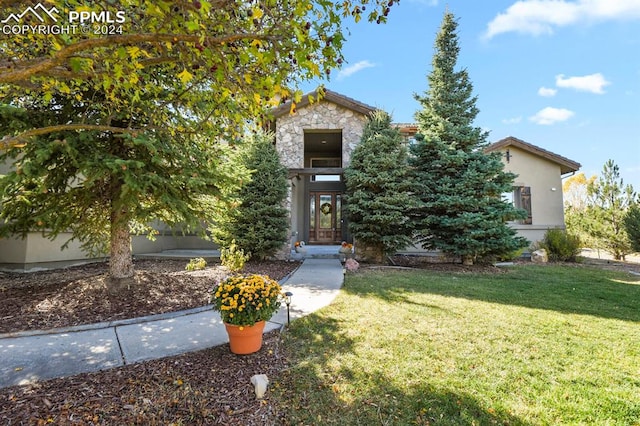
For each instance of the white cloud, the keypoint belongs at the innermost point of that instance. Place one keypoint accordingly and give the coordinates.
(514, 120)
(352, 69)
(547, 92)
(538, 17)
(593, 83)
(550, 115)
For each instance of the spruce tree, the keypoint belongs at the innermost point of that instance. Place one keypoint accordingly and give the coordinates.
(258, 221)
(458, 186)
(378, 197)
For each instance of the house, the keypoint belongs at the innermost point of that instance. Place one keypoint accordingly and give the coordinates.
(538, 185)
(315, 143)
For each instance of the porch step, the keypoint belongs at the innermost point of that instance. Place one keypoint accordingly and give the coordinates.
(317, 252)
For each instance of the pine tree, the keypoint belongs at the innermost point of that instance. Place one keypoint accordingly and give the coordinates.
(458, 186)
(259, 221)
(632, 226)
(610, 201)
(378, 197)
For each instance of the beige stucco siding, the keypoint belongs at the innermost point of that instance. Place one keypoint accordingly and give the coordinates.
(12, 250)
(544, 179)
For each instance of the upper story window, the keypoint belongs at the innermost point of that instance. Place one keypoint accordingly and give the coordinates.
(324, 163)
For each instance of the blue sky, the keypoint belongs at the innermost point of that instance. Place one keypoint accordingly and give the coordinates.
(560, 74)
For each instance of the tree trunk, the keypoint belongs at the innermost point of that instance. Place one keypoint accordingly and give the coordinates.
(120, 261)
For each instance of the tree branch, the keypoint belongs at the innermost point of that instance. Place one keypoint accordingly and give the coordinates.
(12, 72)
(20, 140)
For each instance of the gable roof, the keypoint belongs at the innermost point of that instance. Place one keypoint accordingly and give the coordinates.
(566, 165)
(329, 96)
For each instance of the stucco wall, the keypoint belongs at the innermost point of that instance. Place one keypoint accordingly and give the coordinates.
(545, 181)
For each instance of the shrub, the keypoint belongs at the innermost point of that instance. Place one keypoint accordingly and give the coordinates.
(233, 257)
(510, 256)
(561, 245)
(196, 264)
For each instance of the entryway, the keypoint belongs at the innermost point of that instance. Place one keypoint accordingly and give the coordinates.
(325, 217)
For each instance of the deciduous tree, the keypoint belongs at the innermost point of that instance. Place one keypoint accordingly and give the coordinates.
(576, 201)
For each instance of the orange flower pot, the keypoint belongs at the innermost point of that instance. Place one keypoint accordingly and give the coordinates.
(245, 340)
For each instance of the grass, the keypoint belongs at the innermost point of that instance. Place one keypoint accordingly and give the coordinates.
(532, 346)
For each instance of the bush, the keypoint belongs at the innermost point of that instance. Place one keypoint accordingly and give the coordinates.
(233, 257)
(510, 256)
(196, 264)
(560, 245)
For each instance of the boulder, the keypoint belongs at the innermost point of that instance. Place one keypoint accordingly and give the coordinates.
(540, 256)
(351, 265)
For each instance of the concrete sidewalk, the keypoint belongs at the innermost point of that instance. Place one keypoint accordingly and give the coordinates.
(28, 357)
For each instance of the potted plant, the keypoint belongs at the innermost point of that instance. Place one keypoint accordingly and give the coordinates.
(245, 302)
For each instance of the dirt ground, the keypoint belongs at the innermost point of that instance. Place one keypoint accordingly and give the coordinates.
(200, 388)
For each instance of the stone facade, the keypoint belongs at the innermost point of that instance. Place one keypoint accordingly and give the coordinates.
(319, 116)
(290, 144)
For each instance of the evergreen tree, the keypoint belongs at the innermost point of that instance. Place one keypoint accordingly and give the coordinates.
(259, 221)
(101, 186)
(156, 97)
(632, 226)
(458, 186)
(609, 204)
(378, 197)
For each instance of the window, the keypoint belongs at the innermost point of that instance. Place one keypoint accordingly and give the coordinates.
(522, 200)
(326, 162)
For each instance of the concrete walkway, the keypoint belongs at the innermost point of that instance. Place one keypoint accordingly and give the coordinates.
(28, 357)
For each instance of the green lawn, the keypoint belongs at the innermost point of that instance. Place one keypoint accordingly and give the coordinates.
(534, 345)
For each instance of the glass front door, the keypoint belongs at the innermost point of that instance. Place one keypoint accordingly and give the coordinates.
(325, 217)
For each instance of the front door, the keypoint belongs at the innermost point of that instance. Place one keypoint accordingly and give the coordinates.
(325, 217)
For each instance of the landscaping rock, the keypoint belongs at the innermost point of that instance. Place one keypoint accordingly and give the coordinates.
(260, 382)
(351, 265)
(540, 256)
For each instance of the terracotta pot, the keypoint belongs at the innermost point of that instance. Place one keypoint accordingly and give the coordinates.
(245, 339)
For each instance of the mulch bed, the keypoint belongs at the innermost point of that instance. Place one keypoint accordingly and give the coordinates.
(200, 388)
(80, 295)
(209, 387)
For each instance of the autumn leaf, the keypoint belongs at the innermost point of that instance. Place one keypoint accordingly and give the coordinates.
(185, 76)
